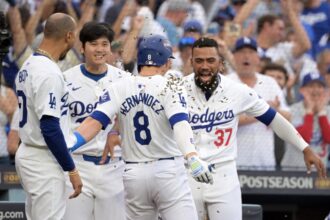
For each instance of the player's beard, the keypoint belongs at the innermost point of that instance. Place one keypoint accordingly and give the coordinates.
(63, 55)
(209, 86)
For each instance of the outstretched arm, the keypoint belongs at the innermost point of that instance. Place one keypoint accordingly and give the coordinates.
(288, 133)
(185, 141)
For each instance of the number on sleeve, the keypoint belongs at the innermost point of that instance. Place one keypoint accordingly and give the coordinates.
(224, 136)
(22, 107)
(142, 133)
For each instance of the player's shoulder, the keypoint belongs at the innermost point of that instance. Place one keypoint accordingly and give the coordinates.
(72, 73)
(116, 72)
(267, 81)
(41, 67)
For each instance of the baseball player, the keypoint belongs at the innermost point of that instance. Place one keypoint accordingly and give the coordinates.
(43, 155)
(151, 114)
(215, 103)
(103, 193)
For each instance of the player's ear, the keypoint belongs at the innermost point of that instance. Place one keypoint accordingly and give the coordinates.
(70, 36)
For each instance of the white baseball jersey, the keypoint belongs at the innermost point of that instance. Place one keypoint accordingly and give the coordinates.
(83, 98)
(214, 121)
(146, 107)
(40, 88)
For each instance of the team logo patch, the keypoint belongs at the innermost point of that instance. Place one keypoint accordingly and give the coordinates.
(105, 97)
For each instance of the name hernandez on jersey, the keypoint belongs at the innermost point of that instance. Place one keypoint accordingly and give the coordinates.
(215, 121)
(83, 97)
(147, 109)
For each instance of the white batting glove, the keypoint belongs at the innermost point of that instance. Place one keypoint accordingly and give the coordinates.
(199, 170)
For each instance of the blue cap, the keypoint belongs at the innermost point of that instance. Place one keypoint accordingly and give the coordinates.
(186, 41)
(193, 26)
(246, 42)
(313, 77)
(154, 51)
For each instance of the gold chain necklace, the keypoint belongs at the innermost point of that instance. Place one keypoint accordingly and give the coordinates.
(45, 53)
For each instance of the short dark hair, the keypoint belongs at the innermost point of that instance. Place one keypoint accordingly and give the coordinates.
(58, 25)
(93, 30)
(269, 18)
(206, 42)
(277, 67)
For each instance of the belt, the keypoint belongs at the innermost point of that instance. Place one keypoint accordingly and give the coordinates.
(146, 162)
(96, 159)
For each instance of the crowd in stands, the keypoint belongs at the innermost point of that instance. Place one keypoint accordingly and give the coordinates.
(287, 62)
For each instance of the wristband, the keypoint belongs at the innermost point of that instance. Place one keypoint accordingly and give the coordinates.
(80, 141)
(113, 132)
(74, 172)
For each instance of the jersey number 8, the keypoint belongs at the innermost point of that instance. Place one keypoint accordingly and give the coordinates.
(142, 132)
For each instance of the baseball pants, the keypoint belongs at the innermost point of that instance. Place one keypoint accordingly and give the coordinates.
(102, 196)
(222, 200)
(156, 187)
(43, 180)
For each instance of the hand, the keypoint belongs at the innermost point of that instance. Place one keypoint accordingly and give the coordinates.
(137, 23)
(308, 101)
(76, 183)
(200, 170)
(275, 104)
(112, 141)
(312, 159)
(321, 102)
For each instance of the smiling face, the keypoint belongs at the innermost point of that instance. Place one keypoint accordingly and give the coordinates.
(247, 61)
(206, 63)
(97, 52)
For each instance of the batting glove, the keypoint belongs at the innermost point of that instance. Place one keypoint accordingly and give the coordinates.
(199, 170)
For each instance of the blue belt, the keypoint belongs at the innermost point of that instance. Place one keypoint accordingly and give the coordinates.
(96, 159)
(167, 158)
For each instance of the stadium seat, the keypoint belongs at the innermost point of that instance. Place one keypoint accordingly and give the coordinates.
(252, 212)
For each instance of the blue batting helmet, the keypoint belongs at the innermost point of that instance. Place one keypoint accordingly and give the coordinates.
(153, 51)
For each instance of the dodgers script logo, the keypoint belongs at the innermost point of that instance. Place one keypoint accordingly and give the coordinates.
(209, 119)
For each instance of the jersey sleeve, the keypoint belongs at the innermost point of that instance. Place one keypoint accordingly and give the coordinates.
(175, 103)
(108, 102)
(48, 91)
(252, 104)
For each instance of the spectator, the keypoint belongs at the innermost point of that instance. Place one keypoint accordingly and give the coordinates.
(317, 14)
(256, 151)
(196, 11)
(311, 118)
(193, 28)
(172, 20)
(279, 73)
(8, 104)
(13, 138)
(323, 62)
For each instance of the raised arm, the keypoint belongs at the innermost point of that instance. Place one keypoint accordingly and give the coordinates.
(18, 33)
(130, 44)
(32, 24)
(88, 10)
(302, 43)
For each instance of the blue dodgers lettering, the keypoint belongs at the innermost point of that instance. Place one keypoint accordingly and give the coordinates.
(79, 108)
(65, 104)
(209, 119)
(143, 98)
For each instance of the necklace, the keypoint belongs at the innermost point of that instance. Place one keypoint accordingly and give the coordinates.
(45, 53)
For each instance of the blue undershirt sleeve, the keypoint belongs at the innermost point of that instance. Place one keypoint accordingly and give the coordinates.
(54, 138)
(267, 117)
(101, 117)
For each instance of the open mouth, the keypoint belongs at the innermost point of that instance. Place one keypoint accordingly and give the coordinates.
(205, 77)
(246, 64)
